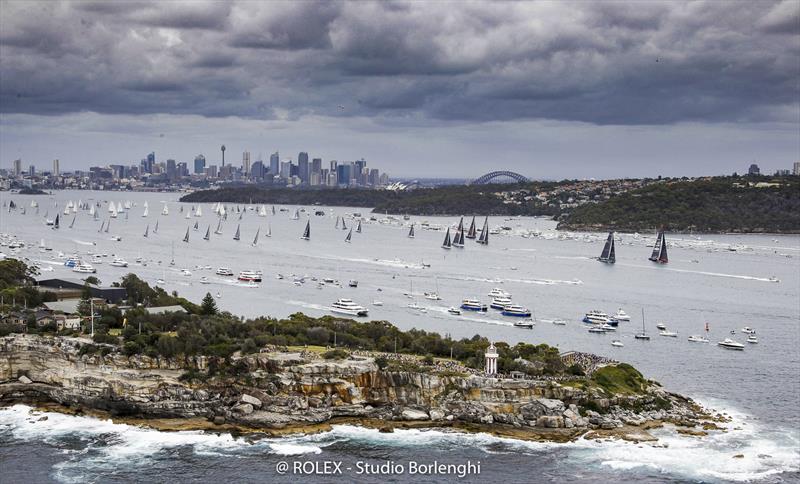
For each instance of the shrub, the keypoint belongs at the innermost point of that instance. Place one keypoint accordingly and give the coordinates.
(336, 354)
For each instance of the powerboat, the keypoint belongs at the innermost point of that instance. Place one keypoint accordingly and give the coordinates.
(730, 344)
(204, 280)
(72, 262)
(622, 315)
(497, 292)
(473, 305)
(500, 303)
(250, 276)
(527, 324)
(224, 271)
(617, 343)
(596, 329)
(661, 326)
(752, 339)
(607, 327)
(348, 307)
(433, 296)
(516, 311)
(455, 311)
(377, 303)
(84, 268)
(668, 334)
(748, 330)
(559, 322)
(353, 283)
(599, 317)
(698, 339)
(117, 262)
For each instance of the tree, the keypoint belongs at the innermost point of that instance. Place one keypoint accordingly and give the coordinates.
(92, 280)
(208, 306)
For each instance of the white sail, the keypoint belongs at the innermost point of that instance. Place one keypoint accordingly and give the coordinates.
(144, 214)
(165, 210)
(263, 211)
(199, 211)
(91, 210)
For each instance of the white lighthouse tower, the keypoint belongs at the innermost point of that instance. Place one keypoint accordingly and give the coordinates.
(491, 360)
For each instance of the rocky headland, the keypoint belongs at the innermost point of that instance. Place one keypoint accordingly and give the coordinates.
(285, 392)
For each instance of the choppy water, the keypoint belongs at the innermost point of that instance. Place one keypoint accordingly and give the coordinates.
(704, 282)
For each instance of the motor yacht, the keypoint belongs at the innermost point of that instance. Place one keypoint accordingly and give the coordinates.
(186, 272)
(617, 343)
(698, 339)
(224, 271)
(668, 334)
(730, 344)
(748, 330)
(752, 339)
(433, 296)
(497, 292)
(473, 305)
(607, 327)
(500, 303)
(84, 268)
(622, 315)
(527, 324)
(454, 311)
(118, 262)
(250, 276)
(516, 311)
(348, 307)
(599, 317)
(596, 329)
(661, 326)
(377, 303)
(353, 283)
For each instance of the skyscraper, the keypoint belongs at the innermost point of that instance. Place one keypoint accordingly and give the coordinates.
(199, 164)
(754, 170)
(56, 170)
(31, 170)
(286, 169)
(17, 167)
(246, 163)
(151, 161)
(302, 166)
(796, 170)
(172, 172)
(315, 176)
(274, 163)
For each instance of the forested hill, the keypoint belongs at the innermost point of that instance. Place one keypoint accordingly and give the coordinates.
(724, 204)
(446, 200)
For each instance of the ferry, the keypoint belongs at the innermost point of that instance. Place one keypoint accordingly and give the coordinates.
(599, 317)
(730, 344)
(117, 262)
(500, 302)
(516, 311)
(348, 307)
(497, 292)
(697, 339)
(473, 305)
(224, 271)
(84, 268)
(250, 276)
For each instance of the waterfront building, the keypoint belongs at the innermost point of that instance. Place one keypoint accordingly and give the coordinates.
(199, 164)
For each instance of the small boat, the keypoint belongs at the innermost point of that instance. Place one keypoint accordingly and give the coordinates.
(748, 330)
(730, 344)
(774, 279)
(186, 272)
(204, 280)
(353, 283)
(473, 305)
(752, 339)
(596, 329)
(527, 324)
(455, 311)
(117, 262)
(617, 343)
(661, 326)
(668, 334)
(433, 296)
(348, 307)
(84, 268)
(224, 271)
(497, 292)
(517, 311)
(377, 303)
(621, 315)
(559, 322)
(608, 255)
(416, 306)
(698, 339)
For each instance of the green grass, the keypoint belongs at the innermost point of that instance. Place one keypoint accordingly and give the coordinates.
(620, 379)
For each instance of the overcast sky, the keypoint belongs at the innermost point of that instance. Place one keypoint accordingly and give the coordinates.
(427, 89)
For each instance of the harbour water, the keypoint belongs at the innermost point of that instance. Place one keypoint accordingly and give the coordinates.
(726, 281)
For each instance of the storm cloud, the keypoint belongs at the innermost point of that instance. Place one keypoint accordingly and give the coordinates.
(612, 63)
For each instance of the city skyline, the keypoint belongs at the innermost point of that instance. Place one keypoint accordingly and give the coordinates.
(549, 90)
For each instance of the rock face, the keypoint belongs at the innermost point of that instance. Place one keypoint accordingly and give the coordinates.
(284, 389)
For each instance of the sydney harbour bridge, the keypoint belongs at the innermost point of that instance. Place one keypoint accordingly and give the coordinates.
(499, 177)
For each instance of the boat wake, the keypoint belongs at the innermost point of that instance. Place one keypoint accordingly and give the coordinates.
(703, 273)
(81, 242)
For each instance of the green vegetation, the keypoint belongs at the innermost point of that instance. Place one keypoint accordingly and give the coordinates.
(724, 204)
(445, 200)
(17, 286)
(621, 378)
(31, 191)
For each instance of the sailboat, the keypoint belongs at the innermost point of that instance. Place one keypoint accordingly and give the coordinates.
(411, 232)
(484, 237)
(307, 233)
(458, 239)
(358, 228)
(55, 224)
(199, 211)
(102, 224)
(608, 255)
(236, 236)
(155, 229)
(186, 237)
(643, 335)
(147, 230)
(269, 230)
(296, 215)
(73, 221)
(196, 225)
(273, 210)
(263, 211)
(91, 211)
(472, 233)
(218, 231)
(146, 209)
(165, 210)
(208, 233)
(344, 226)
(659, 253)
(255, 240)
(447, 244)
(349, 235)
(108, 225)
(337, 221)
(113, 210)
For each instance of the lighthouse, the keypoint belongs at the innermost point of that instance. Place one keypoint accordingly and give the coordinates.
(491, 360)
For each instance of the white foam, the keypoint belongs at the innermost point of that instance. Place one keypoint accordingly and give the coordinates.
(294, 449)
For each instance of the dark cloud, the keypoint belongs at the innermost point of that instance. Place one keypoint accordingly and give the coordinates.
(604, 63)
